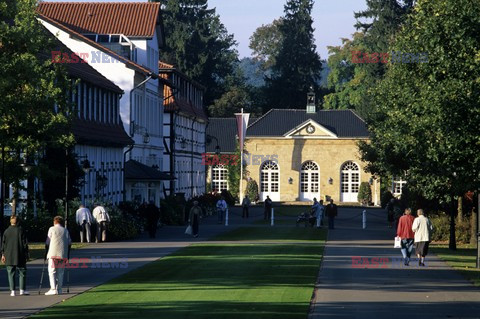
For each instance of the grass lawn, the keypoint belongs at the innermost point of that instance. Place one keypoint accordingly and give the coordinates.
(251, 278)
(463, 259)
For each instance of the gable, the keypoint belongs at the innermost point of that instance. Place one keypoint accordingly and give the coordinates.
(310, 129)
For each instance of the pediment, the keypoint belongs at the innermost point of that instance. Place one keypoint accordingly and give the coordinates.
(310, 129)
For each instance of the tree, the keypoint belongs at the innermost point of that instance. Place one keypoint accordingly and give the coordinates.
(266, 42)
(297, 65)
(365, 193)
(427, 120)
(198, 44)
(30, 86)
(351, 81)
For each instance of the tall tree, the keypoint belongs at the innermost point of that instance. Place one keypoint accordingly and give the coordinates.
(34, 105)
(297, 65)
(266, 42)
(427, 120)
(198, 44)
(378, 25)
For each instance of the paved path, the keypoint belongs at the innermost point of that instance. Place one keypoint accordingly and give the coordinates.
(138, 253)
(435, 291)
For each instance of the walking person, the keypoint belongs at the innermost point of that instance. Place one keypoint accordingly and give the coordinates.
(58, 243)
(152, 213)
(267, 208)
(246, 205)
(423, 228)
(101, 219)
(404, 231)
(331, 211)
(84, 220)
(221, 209)
(15, 255)
(390, 213)
(319, 211)
(194, 218)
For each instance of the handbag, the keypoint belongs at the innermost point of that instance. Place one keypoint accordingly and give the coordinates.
(188, 231)
(398, 242)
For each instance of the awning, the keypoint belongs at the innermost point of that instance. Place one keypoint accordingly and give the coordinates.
(135, 170)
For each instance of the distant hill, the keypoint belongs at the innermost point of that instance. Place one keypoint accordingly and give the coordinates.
(254, 74)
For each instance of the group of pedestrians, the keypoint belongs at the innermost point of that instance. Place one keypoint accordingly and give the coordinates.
(85, 220)
(15, 254)
(319, 211)
(416, 231)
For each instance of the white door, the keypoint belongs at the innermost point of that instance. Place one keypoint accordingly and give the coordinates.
(350, 182)
(270, 181)
(309, 182)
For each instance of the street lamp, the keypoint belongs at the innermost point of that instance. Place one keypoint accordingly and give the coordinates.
(142, 130)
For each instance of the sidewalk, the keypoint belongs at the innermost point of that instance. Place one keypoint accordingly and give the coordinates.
(138, 253)
(435, 291)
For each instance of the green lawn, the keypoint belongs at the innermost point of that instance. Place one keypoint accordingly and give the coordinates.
(463, 259)
(254, 279)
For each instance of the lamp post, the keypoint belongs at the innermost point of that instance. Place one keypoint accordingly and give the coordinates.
(142, 130)
(86, 169)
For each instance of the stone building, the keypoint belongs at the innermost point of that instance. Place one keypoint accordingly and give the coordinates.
(296, 155)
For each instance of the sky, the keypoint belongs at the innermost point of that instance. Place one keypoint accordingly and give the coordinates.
(333, 19)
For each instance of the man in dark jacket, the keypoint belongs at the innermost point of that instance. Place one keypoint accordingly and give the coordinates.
(15, 255)
(152, 213)
(268, 208)
(331, 212)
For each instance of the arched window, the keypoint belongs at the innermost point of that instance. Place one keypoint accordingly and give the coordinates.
(350, 182)
(270, 180)
(309, 181)
(219, 178)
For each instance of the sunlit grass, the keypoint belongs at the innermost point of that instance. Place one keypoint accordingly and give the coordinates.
(463, 259)
(270, 275)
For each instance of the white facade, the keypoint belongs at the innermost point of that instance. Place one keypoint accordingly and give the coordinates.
(185, 124)
(141, 108)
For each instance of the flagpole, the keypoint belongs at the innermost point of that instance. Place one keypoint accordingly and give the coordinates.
(241, 164)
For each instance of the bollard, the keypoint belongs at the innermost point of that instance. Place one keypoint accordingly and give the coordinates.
(272, 222)
(226, 217)
(364, 219)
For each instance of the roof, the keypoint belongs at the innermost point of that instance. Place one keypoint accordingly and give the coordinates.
(225, 130)
(132, 19)
(174, 103)
(100, 134)
(135, 170)
(98, 46)
(277, 122)
(81, 71)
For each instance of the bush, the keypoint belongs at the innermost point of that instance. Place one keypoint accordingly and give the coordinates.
(441, 223)
(252, 190)
(365, 193)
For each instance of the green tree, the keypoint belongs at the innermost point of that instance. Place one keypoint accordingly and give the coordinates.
(198, 44)
(266, 42)
(297, 65)
(352, 82)
(30, 87)
(427, 120)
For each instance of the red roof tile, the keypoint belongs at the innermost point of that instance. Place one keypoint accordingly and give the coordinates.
(133, 19)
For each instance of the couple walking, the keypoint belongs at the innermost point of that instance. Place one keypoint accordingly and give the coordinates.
(15, 255)
(85, 220)
(414, 230)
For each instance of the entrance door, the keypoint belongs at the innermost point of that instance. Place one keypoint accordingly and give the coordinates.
(350, 183)
(270, 181)
(309, 181)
